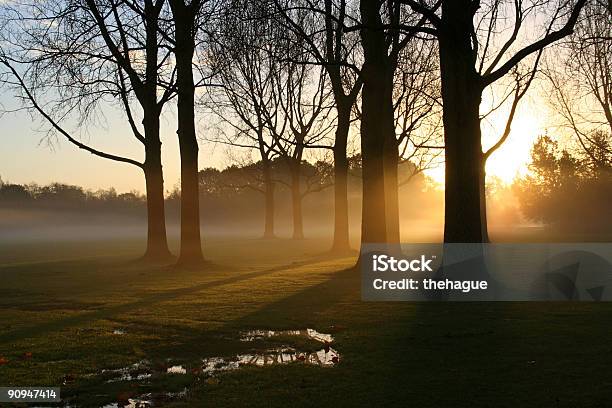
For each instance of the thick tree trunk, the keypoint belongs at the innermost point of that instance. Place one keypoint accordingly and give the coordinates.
(191, 246)
(461, 94)
(296, 200)
(341, 217)
(376, 123)
(157, 243)
(269, 201)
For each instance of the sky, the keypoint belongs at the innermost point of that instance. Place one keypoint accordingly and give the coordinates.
(26, 155)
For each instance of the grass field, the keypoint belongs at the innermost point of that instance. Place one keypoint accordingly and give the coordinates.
(79, 315)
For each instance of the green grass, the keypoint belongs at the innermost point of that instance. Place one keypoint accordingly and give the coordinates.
(63, 307)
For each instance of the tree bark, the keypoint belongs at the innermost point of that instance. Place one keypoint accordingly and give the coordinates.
(376, 123)
(341, 241)
(296, 200)
(465, 206)
(191, 246)
(269, 201)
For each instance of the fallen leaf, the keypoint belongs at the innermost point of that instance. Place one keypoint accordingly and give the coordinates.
(3, 361)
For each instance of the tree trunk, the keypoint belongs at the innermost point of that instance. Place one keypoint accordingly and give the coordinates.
(483, 202)
(269, 201)
(296, 200)
(341, 217)
(391, 190)
(461, 95)
(376, 123)
(191, 246)
(157, 243)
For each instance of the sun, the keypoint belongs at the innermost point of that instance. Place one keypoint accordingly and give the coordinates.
(513, 157)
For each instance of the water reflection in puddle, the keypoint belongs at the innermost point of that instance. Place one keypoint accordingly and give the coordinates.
(135, 372)
(252, 335)
(326, 357)
(178, 369)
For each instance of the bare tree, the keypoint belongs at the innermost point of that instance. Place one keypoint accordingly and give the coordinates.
(385, 29)
(474, 54)
(329, 45)
(417, 110)
(302, 98)
(189, 20)
(581, 88)
(68, 57)
(243, 55)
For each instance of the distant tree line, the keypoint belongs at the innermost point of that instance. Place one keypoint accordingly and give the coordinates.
(59, 196)
(569, 190)
(230, 195)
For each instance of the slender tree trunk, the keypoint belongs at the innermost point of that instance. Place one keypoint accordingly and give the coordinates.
(296, 200)
(191, 246)
(157, 243)
(461, 95)
(341, 217)
(391, 190)
(376, 123)
(269, 201)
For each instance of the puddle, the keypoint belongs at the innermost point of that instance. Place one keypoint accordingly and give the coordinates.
(253, 335)
(211, 366)
(178, 369)
(326, 357)
(135, 372)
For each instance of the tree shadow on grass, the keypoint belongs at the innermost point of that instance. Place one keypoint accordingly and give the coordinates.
(504, 354)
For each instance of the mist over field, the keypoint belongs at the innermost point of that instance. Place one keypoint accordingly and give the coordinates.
(239, 215)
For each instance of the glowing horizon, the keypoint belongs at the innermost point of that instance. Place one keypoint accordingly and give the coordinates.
(67, 164)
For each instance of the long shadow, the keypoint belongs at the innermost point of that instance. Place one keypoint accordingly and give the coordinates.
(112, 311)
(303, 307)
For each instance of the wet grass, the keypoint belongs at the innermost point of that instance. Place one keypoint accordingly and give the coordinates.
(65, 310)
